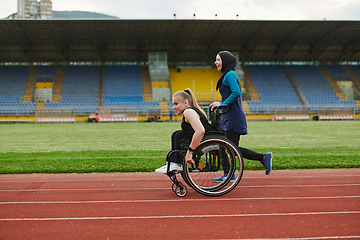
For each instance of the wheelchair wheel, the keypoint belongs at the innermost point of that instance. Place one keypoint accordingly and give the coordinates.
(181, 190)
(213, 156)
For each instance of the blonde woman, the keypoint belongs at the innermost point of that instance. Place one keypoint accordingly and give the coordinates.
(193, 127)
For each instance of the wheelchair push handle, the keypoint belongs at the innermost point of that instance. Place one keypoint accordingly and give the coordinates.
(216, 115)
(220, 107)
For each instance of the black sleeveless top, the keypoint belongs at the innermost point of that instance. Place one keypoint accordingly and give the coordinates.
(187, 128)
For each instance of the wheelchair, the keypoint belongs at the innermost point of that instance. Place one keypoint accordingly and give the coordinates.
(215, 154)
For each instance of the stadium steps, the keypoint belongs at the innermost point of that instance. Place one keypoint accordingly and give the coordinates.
(30, 84)
(164, 107)
(294, 85)
(357, 102)
(40, 105)
(58, 84)
(332, 83)
(254, 96)
(100, 91)
(246, 107)
(145, 78)
(355, 80)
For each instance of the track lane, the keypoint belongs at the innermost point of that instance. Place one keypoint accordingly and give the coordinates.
(298, 204)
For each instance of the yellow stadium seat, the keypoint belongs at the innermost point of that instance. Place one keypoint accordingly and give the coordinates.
(202, 81)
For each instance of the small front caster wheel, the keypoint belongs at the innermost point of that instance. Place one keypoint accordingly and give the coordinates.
(181, 190)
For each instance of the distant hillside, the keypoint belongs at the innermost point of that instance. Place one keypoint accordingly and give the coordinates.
(80, 14)
(76, 14)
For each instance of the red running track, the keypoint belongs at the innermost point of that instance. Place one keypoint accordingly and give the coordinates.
(294, 204)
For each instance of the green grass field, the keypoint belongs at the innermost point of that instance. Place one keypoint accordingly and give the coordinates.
(135, 147)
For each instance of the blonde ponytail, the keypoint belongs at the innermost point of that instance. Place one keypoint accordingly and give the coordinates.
(189, 95)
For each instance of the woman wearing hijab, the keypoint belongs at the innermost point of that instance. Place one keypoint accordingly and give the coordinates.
(233, 121)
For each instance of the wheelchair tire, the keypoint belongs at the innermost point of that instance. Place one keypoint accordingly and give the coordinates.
(181, 190)
(209, 164)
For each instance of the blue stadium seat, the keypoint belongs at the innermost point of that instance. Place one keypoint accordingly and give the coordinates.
(273, 87)
(13, 80)
(80, 87)
(315, 87)
(123, 88)
(337, 72)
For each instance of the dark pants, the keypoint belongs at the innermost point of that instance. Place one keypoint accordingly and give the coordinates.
(233, 136)
(178, 141)
(246, 153)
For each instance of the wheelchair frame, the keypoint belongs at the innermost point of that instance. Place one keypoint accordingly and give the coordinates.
(214, 153)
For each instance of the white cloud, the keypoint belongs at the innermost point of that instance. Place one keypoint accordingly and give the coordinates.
(348, 11)
(7, 8)
(206, 9)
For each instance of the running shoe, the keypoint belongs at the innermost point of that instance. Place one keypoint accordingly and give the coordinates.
(173, 167)
(223, 177)
(267, 162)
(158, 170)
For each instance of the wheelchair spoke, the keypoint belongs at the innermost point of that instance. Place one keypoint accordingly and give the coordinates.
(217, 156)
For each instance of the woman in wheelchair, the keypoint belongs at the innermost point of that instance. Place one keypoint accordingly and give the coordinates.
(193, 127)
(200, 151)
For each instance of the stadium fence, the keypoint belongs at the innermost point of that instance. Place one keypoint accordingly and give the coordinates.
(292, 113)
(336, 113)
(55, 115)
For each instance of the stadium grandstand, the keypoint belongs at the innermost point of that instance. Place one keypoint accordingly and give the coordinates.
(65, 70)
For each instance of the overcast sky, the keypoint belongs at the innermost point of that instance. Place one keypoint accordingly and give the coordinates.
(206, 9)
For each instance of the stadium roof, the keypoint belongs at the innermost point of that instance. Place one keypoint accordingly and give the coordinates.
(183, 40)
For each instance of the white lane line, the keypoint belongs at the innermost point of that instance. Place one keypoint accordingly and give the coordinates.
(301, 185)
(303, 238)
(179, 216)
(181, 200)
(151, 189)
(79, 189)
(79, 180)
(160, 179)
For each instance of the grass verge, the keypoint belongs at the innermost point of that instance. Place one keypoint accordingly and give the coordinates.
(142, 147)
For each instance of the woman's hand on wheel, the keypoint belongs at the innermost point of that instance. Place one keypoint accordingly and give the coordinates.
(189, 158)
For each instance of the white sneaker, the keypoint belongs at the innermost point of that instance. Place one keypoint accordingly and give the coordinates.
(161, 169)
(173, 167)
